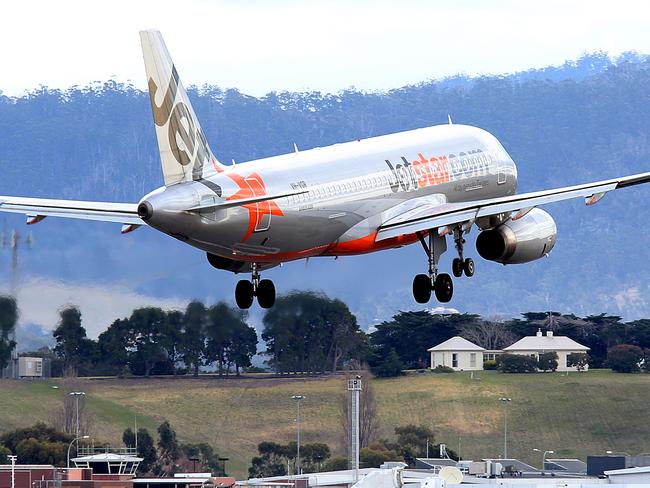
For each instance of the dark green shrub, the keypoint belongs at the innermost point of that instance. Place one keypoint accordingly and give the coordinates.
(517, 363)
(578, 360)
(389, 366)
(625, 358)
(490, 364)
(547, 361)
(442, 369)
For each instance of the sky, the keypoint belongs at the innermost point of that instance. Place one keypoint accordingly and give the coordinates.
(261, 46)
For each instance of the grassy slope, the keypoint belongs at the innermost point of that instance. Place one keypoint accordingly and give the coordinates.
(575, 415)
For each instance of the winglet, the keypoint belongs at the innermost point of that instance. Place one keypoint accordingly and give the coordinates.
(451, 122)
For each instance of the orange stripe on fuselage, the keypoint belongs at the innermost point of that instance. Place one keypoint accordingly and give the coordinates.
(368, 244)
(363, 245)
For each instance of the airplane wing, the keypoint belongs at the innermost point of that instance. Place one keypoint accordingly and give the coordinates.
(37, 209)
(425, 217)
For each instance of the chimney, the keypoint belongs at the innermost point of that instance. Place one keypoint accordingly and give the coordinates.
(539, 332)
(549, 333)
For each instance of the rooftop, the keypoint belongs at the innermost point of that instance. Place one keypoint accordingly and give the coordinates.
(456, 344)
(548, 342)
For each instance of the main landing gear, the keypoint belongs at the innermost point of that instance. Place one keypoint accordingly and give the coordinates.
(441, 284)
(246, 290)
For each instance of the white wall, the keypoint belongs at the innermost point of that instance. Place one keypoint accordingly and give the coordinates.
(464, 360)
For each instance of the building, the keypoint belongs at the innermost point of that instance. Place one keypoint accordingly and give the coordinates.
(458, 354)
(540, 343)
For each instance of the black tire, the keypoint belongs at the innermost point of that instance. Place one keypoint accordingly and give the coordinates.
(422, 288)
(266, 294)
(444, 288)
(457, 267)
(244, 294)
(468, 267)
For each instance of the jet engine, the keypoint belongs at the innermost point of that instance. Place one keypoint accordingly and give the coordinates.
(519, 241)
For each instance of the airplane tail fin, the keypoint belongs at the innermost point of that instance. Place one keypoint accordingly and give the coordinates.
(184, 151)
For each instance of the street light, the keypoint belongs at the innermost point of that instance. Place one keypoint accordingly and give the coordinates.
(544, 457)
(13, 469)
(505, 401)
(72, 442)
(76, 395)
(298, 399)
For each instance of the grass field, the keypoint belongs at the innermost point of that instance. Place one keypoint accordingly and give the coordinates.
(574, 415)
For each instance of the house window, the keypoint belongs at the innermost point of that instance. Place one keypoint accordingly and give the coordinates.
(454, 360)
(472, 360)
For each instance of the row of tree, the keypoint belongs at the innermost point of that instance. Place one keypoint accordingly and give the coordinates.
(155, 341)
(306, 332)
(43, 444)
(403, 341)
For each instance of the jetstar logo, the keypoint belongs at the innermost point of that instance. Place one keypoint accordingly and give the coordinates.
(424, 172)
(259, 214)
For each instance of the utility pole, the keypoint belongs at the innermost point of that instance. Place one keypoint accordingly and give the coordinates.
(298, 399)
(354, 387)
(505, 401)
(13, 470)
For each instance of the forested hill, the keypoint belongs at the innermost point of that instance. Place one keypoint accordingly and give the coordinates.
(578, 122)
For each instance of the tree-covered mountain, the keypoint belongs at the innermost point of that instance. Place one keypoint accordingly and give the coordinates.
(562, 125)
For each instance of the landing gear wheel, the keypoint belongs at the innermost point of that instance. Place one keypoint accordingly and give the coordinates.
(422, 288)
(244, 294)
(457, 267)
(468, 267)
(266, 293)
(444, 288)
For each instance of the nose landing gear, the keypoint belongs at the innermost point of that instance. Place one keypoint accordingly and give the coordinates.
(264, 290)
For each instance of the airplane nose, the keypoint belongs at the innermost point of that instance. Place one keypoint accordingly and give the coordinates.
(145, 210)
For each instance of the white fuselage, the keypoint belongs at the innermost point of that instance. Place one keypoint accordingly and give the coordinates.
(349, 189)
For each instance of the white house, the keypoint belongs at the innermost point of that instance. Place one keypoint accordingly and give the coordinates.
(458, 354)
(539, 343)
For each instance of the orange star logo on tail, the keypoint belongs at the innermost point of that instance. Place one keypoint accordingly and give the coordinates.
(253, 186)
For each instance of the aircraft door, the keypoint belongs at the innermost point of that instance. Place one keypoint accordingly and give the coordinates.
(263, 213)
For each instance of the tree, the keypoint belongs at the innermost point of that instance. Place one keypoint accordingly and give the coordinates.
(4, 453)
(488, 334)
(307, 332)
(111, 351)
(34, 451)
(517, 363)
(270, 462)
(72, 345)
(8, 319)
(547, 361)
(578, 360)
(625, 358)
(390, 366)
(168, 448)
(410, 334)
(208, 459)
(192, 339)
(146, 449)
(370, 457)
(171, 337)
(230, 339)
(145, 340)
(39, 431)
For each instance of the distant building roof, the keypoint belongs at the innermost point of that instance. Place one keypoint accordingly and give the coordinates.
(108, 456)
(456, 344)
(548, 342)
(571, 465)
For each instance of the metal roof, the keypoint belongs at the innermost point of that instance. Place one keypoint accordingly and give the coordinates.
(108, 456)
(546, 343)
(456, 344)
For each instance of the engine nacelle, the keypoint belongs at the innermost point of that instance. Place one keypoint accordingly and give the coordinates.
(519, 241)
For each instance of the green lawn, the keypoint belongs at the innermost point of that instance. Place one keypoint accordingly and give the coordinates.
(574, 415)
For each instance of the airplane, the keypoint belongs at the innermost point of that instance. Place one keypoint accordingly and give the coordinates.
(347, 199)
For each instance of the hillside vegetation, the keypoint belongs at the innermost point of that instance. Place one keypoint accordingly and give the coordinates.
(575, 415)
